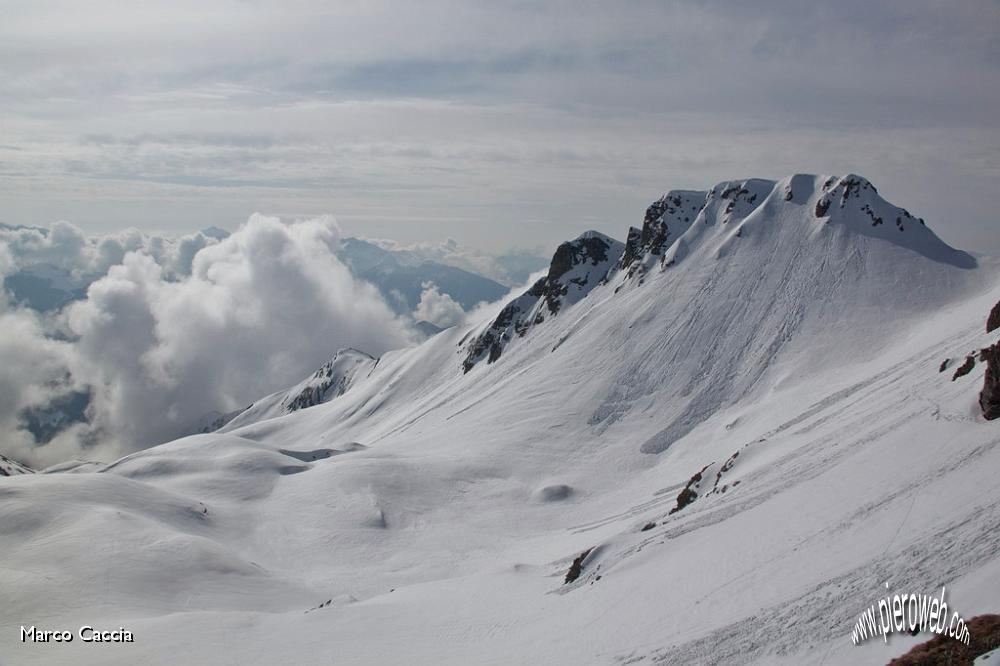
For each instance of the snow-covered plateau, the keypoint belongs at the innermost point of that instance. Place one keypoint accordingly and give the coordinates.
(715, 442)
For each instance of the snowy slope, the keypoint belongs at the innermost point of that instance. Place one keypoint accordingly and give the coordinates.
(738, 415)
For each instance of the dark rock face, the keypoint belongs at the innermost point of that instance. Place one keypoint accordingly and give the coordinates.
(576, 568)
(685, 497)
(822, 206)
(846, 188)
(984, 635)
(666, 219)
(654, 236)
(633, 247)
(993, 321)
(577, 265)
(10, 467)
(331, 382)
(562, 261)
(689, 494)
(965, 368)
(989, 397)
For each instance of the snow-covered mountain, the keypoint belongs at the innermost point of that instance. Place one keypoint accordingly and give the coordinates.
(577, 267)
(401, 277)
(714, 443)
(46, 287)
(10, 467)
(330, 381)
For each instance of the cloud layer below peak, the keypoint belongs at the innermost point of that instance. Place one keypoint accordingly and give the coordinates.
(157, 347)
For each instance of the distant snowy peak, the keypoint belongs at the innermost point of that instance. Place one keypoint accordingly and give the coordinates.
(10, 467)
(402, 276)
(215, 232)
(576, 268)
(427, 329)
(330, 381)
(333, 379)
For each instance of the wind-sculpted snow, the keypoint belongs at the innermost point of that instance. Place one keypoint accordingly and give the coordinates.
(733, 432)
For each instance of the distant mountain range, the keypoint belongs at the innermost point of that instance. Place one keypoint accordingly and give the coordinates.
(401, 276)
(45, 287)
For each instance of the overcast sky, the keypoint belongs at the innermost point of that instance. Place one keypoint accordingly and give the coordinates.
(497, 123)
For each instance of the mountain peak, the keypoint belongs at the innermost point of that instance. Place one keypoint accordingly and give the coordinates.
(577, 267)
(215, 232)
(849, 202)
(854, 202)
(800, 218)
(10, 467)
(331, 380)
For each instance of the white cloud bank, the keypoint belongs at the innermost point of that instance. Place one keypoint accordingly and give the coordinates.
(438, 308)
(179, 329)
(65, 246)
(34, 368)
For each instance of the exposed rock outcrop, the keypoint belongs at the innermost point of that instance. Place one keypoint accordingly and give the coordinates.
(576, 268)
(333, 379)
(993, 321)
(690, 491)
(989, 397)
(10, 467)
(965, 368)
(666, 219)
(328, 382)
(984, 635)
(576, 568)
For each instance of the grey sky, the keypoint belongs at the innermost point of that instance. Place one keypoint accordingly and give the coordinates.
(499, 124)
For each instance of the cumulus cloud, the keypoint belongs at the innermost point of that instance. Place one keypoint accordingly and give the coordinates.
(34, 370)
(65, 246)
(172, 329)
(6, 264)
(438, 308)
(62, 245)
(167, 336)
